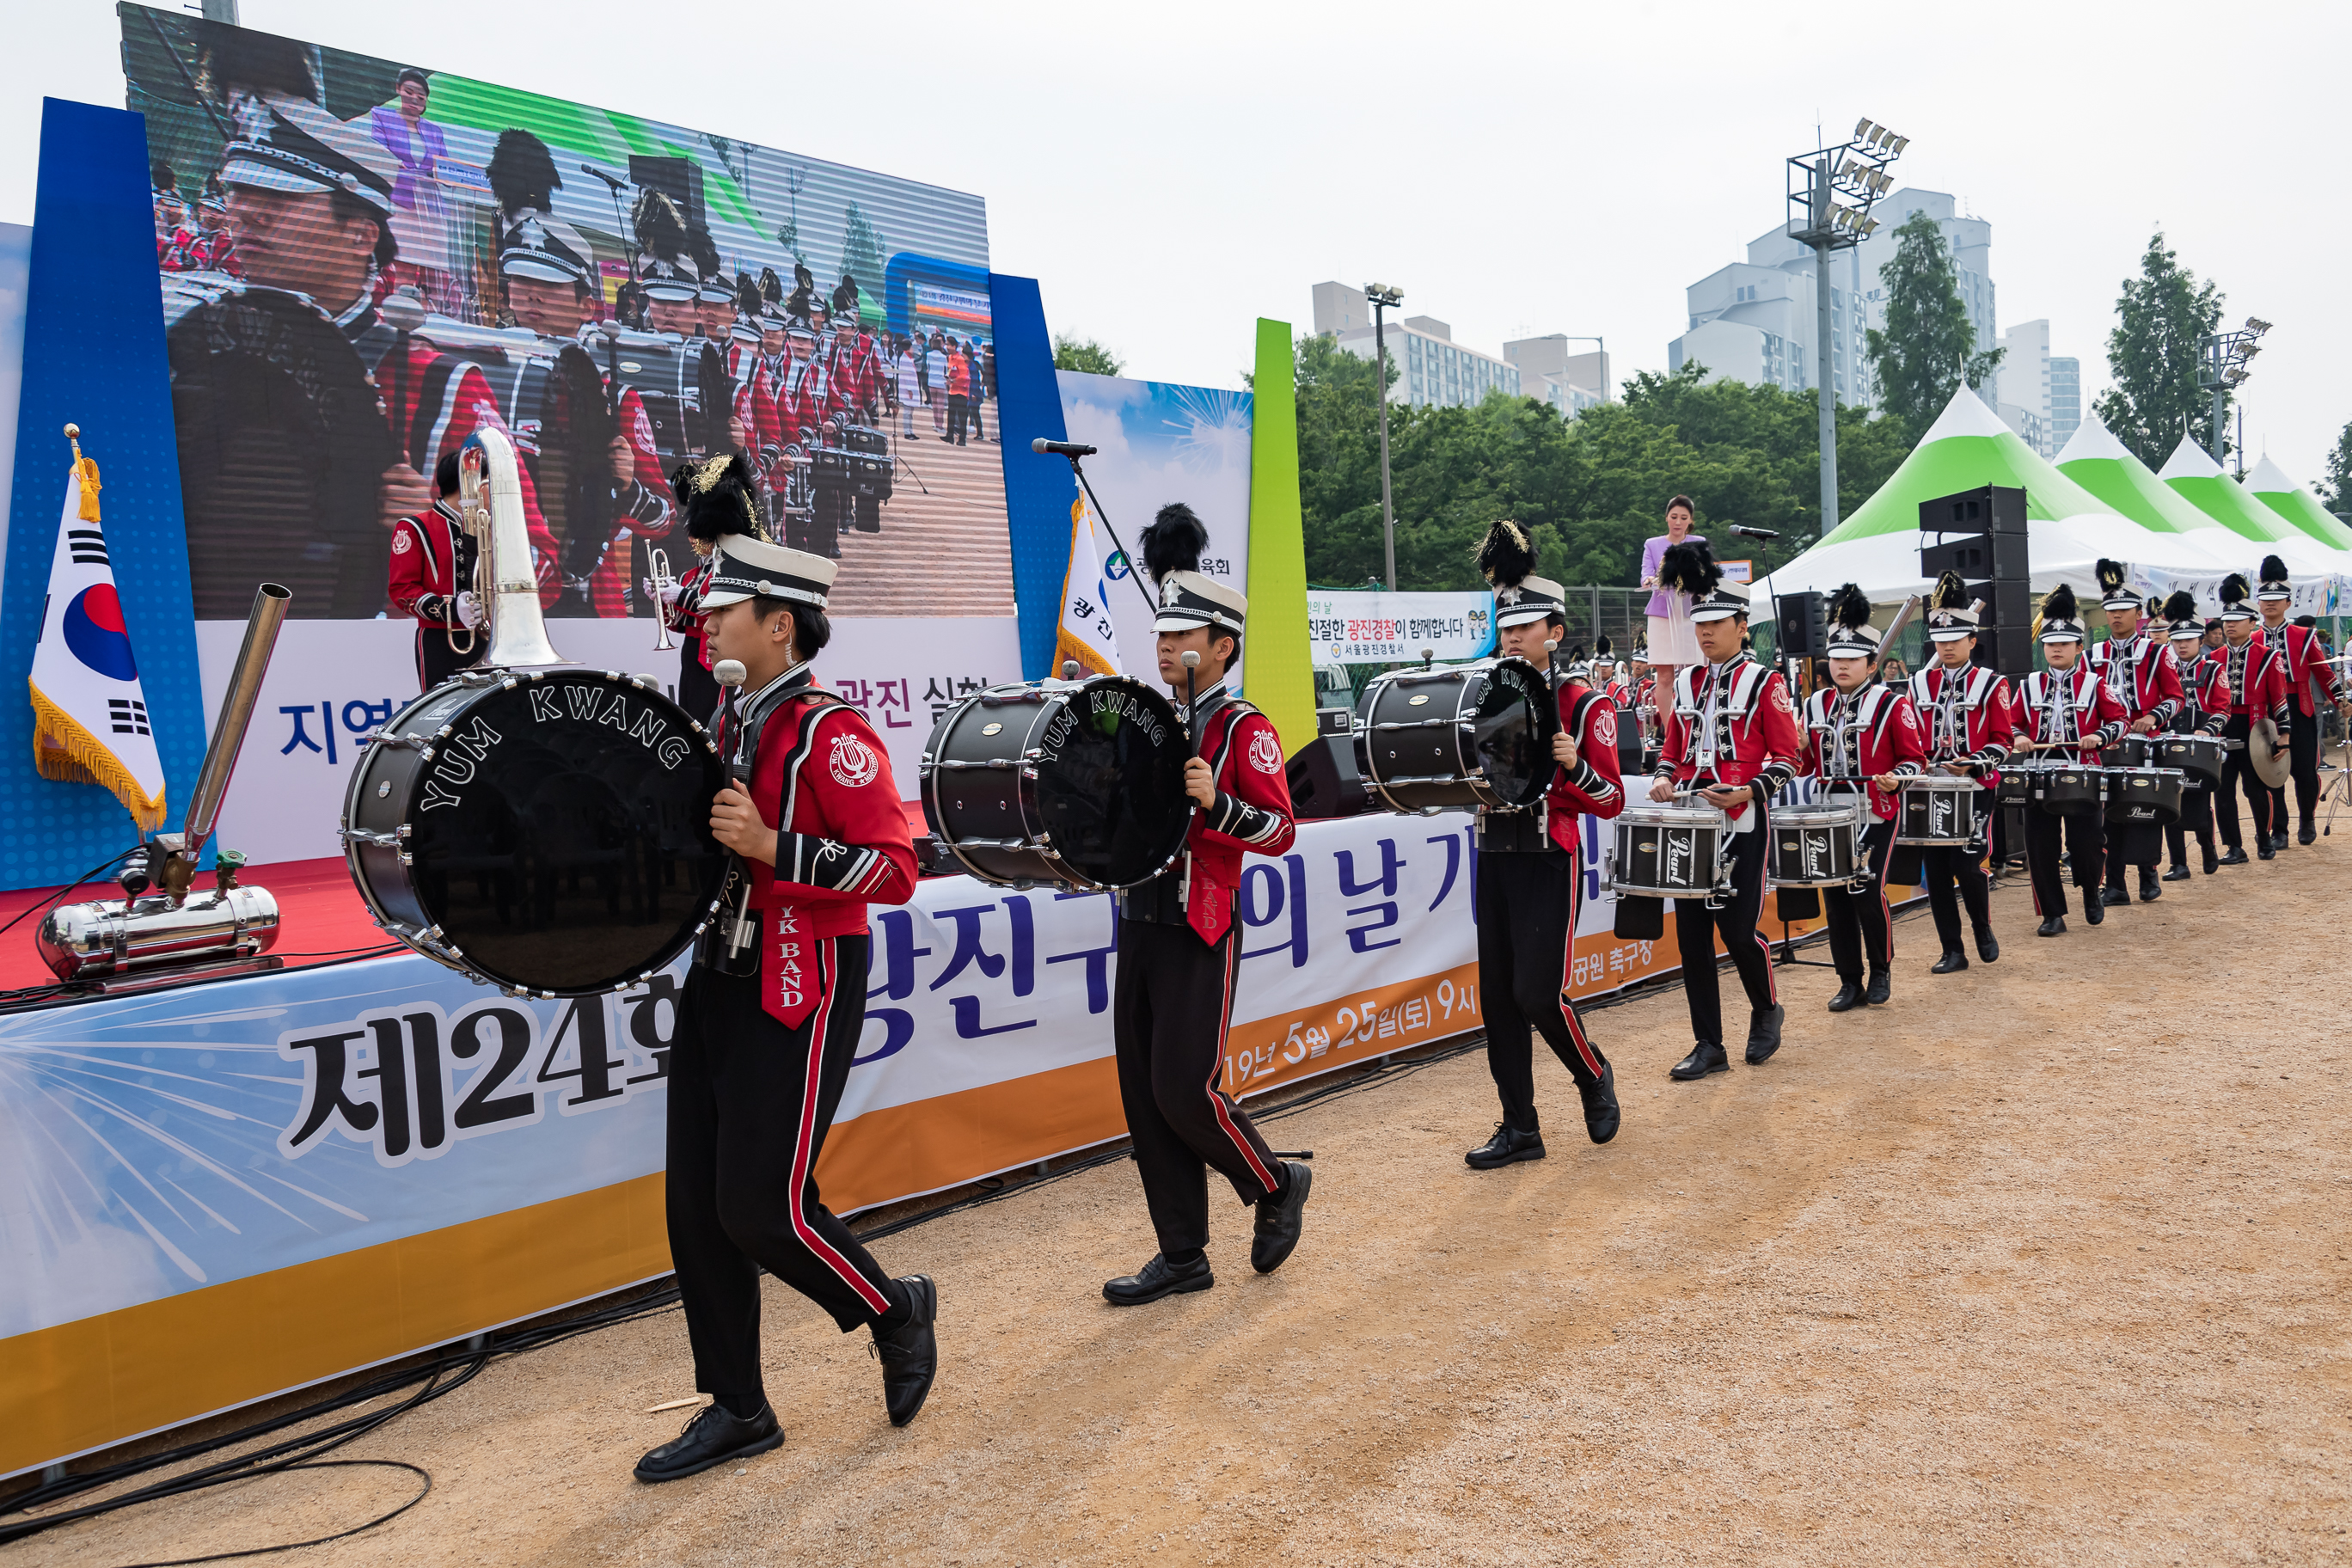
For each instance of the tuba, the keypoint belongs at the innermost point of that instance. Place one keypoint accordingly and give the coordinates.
(506, 585)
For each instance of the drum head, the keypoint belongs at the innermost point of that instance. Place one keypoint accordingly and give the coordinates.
(1512, 727)
(560, 835)
(1110, 782)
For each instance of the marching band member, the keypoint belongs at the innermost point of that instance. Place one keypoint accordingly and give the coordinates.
(1531, 872)
(431, 566)
(2255, 672)
(2067, 708)
(1731, 738)
(1605, 677)
(1638, 679)
(2306, 668)
(1178, 946)
(2141, 674)
(1966, 710)
(1866, 740)
(764, 1037)
(2204, 709)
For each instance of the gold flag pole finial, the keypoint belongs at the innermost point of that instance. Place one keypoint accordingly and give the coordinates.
(86, 471)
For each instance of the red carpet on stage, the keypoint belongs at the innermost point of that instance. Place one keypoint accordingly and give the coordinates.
(321, 916)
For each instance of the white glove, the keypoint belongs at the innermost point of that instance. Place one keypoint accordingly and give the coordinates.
(469, 610)
(667, 594)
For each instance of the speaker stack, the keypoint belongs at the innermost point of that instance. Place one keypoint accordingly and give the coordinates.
(1981, 535)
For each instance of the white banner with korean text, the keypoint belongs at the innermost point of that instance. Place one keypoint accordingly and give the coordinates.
(1372, 626)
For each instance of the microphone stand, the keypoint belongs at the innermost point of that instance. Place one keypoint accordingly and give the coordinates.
(1134, 567)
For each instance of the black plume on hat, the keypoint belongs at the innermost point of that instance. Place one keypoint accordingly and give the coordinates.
(240, 57)
(2233, 588)
(2273, 569)
(159, 175)
(522, 174)
(661, 233)
(748, 299)
(2180, 606)
(705, 251)
(1504, 556)
(844, 297)
(1849, 607)
(1689, 566)
(2306, 621)
(771, 288)
(2110, 575)
(1173, 540)
(1601, 647)
(2060, 605)
(1951, 592)
(719, 496)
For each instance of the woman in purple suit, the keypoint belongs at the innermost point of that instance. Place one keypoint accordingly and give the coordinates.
(1672, 643)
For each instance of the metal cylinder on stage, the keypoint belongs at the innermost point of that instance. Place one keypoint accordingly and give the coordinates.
(113, 937)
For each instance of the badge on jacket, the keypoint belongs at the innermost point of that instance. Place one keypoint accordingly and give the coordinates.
(854, 763)
(1265, 752)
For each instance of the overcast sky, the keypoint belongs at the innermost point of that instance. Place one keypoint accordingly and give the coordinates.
(1171, 172)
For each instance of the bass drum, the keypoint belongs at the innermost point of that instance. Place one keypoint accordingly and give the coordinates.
(1077, 783)
(282, 443)
(548, 833)
(1464, 735)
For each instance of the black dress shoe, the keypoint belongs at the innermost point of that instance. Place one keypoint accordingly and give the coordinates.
(2212, 862)
(1987, 944)
(2177, 874)
(2054, 926)
(911, 1357)
(2268, 851)
(1848, 998)
(1278, 1219)
(1706, 1056)
(2278, 839)
(1157, 1279)
(2094, 910)
(2110, 896)
(2306, 833)
(1509, 1146)
(1952, 962)
(2236, 856)
(2149, 891)
(1764, 1033)
(1602, 1114)
(1881, 986)
(714, 1437)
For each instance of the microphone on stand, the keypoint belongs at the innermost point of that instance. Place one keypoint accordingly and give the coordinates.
(615, 181)
(1061, 448)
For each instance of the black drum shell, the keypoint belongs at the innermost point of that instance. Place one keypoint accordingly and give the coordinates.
(573, 858)
(986, 803)
(1665, 858)
(2073, 790)
(1806, 848)
(1629, 744)
(2143, 797)
(2197, 758)
(1938, 817)
(1457, 735)
(2131, 752)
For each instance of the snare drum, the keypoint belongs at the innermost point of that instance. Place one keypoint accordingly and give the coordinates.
(1815, 846)
(1669, 851)
(1459, 735)
(2067, 789)
(1937, 811)
(2197, 758)
(2131, 752)
(2143, 797)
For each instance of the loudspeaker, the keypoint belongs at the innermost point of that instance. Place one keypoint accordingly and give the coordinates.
(1800, 625)
(1977, 533)
(2006, 650)
(679, 179)
(1324, 782)
(1990, 508)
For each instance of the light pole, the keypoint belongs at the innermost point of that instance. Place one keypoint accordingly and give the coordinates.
(1856, 170)
(1579, 338)
(1383, 298)
(2222, 366)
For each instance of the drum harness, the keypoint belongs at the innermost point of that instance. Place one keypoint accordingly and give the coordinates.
(732, 945)
(1165, 900)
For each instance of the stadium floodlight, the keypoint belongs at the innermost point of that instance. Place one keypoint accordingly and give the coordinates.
(2222, 369)
(1857, 170)
(2257, 326)
(1382, 296)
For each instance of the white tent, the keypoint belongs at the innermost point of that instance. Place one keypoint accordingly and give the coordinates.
(2253, 530)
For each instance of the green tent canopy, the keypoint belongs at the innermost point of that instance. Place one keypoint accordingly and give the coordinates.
(2192, 472)
(2104, 466)
(1967, 447)
(2268, 484)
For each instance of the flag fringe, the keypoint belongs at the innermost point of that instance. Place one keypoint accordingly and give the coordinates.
(1066, 646)
(55, 730)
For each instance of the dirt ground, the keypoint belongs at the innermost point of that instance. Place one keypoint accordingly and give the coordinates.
(2043, 1263)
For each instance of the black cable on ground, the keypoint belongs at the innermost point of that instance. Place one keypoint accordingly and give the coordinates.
(69, 886)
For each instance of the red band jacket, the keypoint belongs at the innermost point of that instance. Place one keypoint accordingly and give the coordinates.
(1863, 736)
(2143, 675)
(430, 553)
(1969, 715)
(2306, 661)
(2074, 708)
(1732, 724)
(822, 778)
(2257, 676)
(1250, 814)
(1593, 787)
(2206, 703)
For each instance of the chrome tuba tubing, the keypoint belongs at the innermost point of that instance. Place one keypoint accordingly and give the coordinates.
(657, 567)
(490, 487)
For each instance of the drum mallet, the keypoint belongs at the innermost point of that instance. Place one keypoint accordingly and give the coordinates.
(1191, 660)
(731, 673)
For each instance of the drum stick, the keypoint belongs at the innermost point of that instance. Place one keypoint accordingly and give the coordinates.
(1191, 662)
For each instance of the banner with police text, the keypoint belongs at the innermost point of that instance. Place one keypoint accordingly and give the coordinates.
(207, 1197)
(1373, 627)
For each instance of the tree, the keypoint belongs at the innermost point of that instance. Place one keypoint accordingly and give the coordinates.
(861, 252)
(1929, 345)
(1072, 353)
(2152, 357)
(2336, 490)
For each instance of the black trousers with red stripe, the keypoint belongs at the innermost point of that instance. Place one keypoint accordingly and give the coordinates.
(1694, 928)
(1526, 930)
(437, 661)
(749, 1102)
(1861, 925)
(2084, 836)
(1169, 1011)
